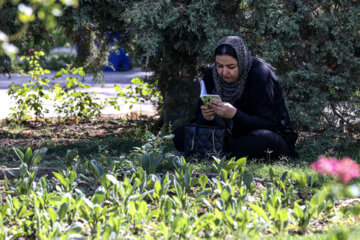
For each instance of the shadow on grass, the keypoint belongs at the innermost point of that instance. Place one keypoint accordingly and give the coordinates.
(104, 137)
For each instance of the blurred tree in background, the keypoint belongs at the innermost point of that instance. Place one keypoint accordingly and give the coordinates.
(25, 25)
(176, 40)
(315, 46)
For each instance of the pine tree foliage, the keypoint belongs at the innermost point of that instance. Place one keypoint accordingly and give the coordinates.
(315, 46)
(176, 39)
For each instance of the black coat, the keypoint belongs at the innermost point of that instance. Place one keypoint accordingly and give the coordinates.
(261, 106)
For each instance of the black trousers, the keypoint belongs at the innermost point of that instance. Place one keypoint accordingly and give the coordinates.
(259, 143)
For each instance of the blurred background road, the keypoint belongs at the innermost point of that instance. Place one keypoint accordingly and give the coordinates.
(122, 78)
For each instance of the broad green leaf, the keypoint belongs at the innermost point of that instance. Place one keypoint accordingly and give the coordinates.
(23, 169)
(97, 168)
(179, 223)
(75, 227)
(284, 176)
(143, 208)
(71, 155)
(271, 210)
(298, 211)
(112, 179)
(60, 178)
(271, 174)
(104, 181)
(137, 81)
(202, 194)
(203, 180)
(284, 215)
(259, 211)
(131, 208)
(75, 236)
(99, 195)
(19, 154)
(63, 210)
(187, 179)
(224, 174)
(52, 214)
(301, 179)
(178, 189)
(20, 211)
(225, 195)
(248, 179)
(106, 231)
(241, 162)
(157, 188)
(28, 155)
(55, 200)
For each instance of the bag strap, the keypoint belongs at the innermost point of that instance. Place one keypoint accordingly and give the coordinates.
(207, 126)
(193, 139)
(213, 140)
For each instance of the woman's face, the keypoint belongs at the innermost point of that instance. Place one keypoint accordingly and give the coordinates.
(227, 68)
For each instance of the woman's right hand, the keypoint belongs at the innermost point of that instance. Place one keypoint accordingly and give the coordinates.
(208, 113)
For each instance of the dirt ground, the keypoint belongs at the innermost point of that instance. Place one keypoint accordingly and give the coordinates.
(33, 133)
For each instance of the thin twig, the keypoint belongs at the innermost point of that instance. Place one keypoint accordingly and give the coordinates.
(315, 7)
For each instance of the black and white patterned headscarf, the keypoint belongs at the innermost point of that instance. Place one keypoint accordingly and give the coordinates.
(231, 92)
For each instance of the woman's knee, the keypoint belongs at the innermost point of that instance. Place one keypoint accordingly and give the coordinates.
(273, 141)
(258, 143)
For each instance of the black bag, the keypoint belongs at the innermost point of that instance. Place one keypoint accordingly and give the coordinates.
(203, 141)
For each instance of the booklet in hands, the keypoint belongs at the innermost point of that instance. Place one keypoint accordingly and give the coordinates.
(205, 98)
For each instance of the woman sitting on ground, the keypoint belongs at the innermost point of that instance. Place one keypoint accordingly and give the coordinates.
(252, 105)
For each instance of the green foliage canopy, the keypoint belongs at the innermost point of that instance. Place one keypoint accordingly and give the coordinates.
(315, 47)
(176, 41)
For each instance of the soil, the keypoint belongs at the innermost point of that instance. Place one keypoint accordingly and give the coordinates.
(32, 133)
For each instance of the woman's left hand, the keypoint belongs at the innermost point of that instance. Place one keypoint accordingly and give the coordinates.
(223, 109)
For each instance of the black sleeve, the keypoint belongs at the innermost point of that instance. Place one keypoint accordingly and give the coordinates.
(261, 96)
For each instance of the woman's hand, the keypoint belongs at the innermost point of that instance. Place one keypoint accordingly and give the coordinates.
(208, 113)
(223, 109)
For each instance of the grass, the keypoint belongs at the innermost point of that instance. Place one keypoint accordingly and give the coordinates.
(91, 140)
(337, 232)
(111, 138)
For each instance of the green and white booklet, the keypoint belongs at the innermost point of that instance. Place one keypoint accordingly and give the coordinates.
(205, 98)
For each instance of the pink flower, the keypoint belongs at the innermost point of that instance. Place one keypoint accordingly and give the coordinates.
(325, 165)
(348, 170)
(345, 169)
(31, 51)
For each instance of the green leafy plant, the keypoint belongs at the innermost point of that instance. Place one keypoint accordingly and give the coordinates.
(303, 214)
(70, 103)
(67, 179)
(30, 158)
(29, 97)
(153, 151)
(140, 91)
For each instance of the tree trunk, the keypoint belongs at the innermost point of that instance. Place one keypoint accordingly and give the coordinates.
(180, 101)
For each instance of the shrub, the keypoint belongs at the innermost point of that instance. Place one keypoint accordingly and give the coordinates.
(316, 50)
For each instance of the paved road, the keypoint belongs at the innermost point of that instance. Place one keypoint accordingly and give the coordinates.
(105, 91)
